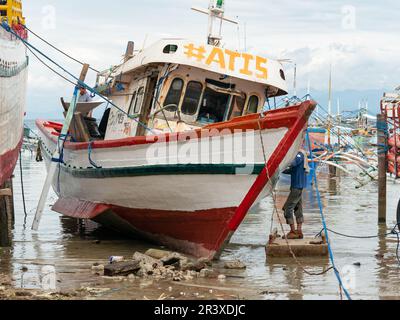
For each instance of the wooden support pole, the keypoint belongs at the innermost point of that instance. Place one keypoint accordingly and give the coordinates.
(382, 164)
(53, 166)
(6, 214)
(10, 201)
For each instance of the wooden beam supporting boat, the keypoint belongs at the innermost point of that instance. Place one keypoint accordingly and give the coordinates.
(382, 160)
(54, 164)
(309, 247)
(7, 217)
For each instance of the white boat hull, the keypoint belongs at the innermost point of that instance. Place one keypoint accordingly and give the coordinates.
(188, 194)
(13, 82)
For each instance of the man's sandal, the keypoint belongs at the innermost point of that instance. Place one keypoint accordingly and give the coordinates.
(293, 236)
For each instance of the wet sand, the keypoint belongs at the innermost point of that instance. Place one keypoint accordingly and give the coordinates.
(369, 266)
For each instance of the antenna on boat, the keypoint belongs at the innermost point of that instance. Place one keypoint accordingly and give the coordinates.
(330, 105)
(330, 92)
(215, 12)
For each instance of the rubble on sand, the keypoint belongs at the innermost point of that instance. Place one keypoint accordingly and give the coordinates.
(235, 265)
(158, 265)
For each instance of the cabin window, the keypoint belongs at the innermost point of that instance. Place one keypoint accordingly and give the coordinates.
(171, 48)
(3, 13)
(252, 106)
(213, 107)
(132, 105)
(239, 102)
(174, 95)
(192, 98)
(139, 100)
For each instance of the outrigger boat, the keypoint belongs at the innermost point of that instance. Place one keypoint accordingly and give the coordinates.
(190, 152)
(13, 81)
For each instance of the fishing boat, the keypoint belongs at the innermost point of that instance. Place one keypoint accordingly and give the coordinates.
(188, 152)
(318, 138)
(13, 82)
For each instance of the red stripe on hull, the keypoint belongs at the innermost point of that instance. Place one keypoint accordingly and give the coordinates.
(196, 233)
(272, 166)
(8, 161)
(201, 233)
(280, 118)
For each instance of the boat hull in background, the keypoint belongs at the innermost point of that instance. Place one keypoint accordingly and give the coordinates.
(13, 83)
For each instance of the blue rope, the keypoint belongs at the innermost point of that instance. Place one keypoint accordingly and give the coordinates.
(62, 138)
(90, 156)
(80, 83)
(331, 256)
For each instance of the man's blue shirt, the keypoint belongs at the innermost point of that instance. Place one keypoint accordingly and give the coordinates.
(298, 172)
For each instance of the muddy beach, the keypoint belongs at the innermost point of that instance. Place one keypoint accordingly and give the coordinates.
(71, 250)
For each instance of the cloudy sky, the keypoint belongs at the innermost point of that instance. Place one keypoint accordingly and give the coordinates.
(359, 38)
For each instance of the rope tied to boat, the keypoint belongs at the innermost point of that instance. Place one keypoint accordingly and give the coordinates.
(331, 255)
(55, 48)
(90, 149)
(276, 211)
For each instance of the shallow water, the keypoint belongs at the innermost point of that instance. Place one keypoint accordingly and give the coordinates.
(72, 250)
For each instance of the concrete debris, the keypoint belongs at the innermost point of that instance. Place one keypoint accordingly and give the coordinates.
(23, 294)
(157, 254)
(98, 268)
(158, 265)
(235, 265)
(122, 268)
(147, 259)
(175, 259)
(221, 277)
(208, 273)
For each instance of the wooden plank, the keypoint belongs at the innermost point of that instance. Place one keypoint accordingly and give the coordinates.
(65, 106)
(10, 202)
(84, 72)
(53, 166)
(312, 247)
(81, 130)
(122, 268)
(5, 192)
(382, 168)
(5, 224)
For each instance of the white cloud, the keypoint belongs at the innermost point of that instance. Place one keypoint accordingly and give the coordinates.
(308, 31)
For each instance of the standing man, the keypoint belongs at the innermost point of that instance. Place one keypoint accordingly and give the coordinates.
(294, 204)
(84, 95)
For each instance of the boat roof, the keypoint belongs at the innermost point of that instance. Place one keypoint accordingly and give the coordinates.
(231, 63)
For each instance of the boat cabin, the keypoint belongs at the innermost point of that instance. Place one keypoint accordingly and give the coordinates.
(177, 85)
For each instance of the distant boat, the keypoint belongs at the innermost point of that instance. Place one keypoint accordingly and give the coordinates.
(13, 82)
(318, 138)
(200, 154)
